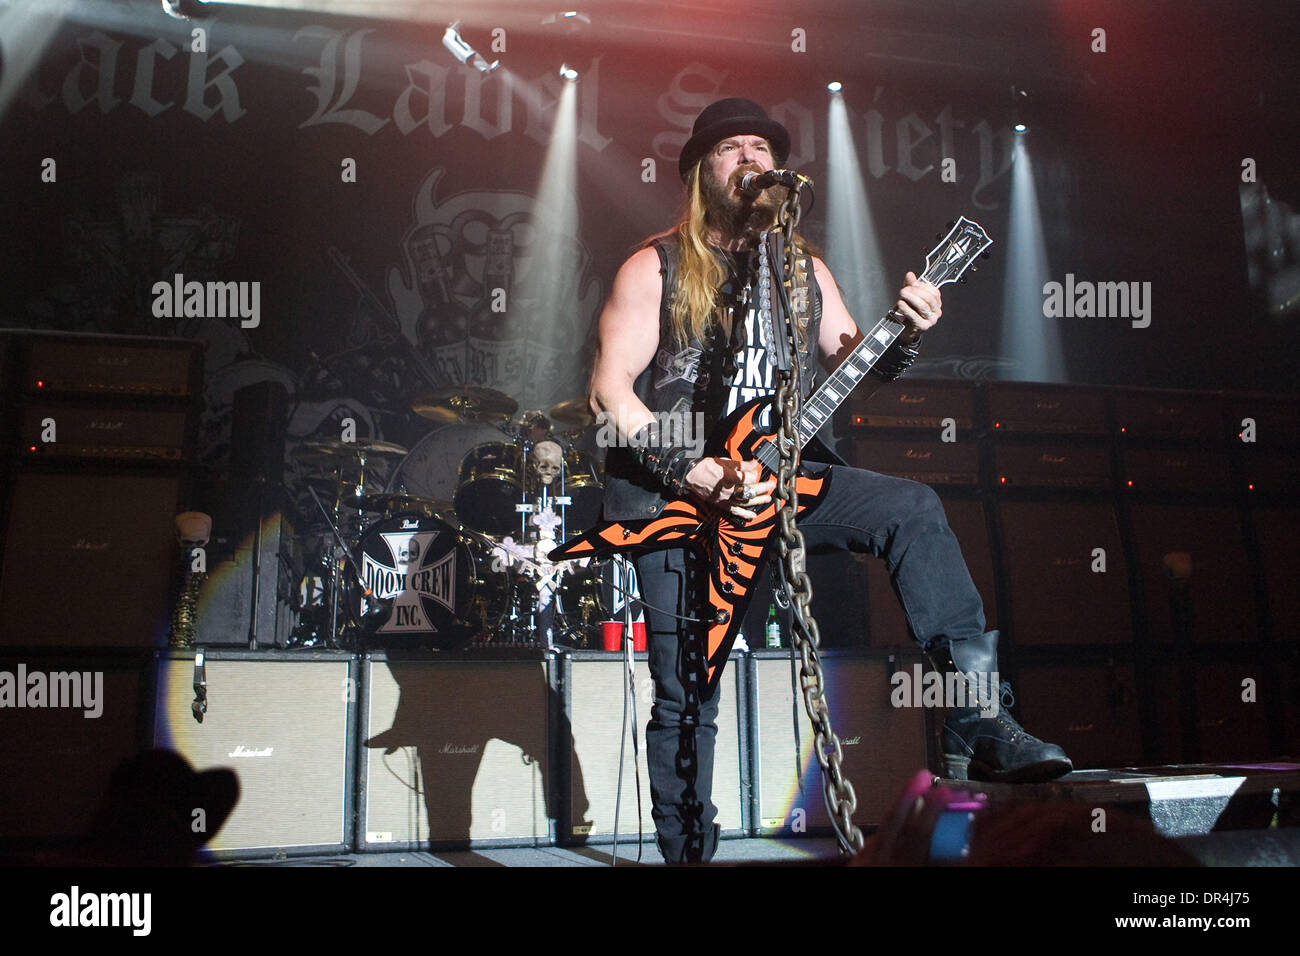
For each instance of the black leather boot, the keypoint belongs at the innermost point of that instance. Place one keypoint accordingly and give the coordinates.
(692, 848)
(985, 742)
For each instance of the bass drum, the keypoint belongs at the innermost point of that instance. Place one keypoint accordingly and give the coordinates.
(430, 470)
(586, 597)
(428, 587)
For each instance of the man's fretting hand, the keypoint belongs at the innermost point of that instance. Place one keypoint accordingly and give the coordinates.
(731, 486)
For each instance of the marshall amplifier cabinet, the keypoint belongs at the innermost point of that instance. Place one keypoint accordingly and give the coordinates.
(1220, 594)
(1067, 574)
(1279, 564)
(883, 744)
(1176, 470)
(66, 722)
(53, 431)
(1274, 420)
(589, 748)
(88, 557)
(1054, 465)
(1270, 475)
(1153, 415)
(929, 462)
(455, 752)
(1091, 708)
(915, 404)
(1046, 410)
(111, 366)
(1231, 722)
(285, 723)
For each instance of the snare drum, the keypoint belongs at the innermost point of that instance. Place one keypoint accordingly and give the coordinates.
(429, 586)
(489, 488)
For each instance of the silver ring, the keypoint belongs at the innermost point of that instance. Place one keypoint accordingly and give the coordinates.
(743, 494)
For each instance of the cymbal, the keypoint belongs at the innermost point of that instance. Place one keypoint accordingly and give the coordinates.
(464, 403)
(574, 412)
(395, 503)
(334, 448)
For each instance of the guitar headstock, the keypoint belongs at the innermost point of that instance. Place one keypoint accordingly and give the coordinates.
(955, 253)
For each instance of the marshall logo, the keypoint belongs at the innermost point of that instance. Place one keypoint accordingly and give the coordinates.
(111, 360)
(918, 454)
(1052, 459)
(106, 426)
(242, 751)
(906, 399)
(83, 545)
(459, 749)
(1044, 403)
(413, 575)
(850, 741)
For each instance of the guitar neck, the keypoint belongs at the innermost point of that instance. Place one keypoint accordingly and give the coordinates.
(821, 405)
(945, 263)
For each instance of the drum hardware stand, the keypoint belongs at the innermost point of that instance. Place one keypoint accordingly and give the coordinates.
(629, 700)
(334, 566)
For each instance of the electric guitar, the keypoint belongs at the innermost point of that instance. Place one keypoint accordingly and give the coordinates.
(733, 551)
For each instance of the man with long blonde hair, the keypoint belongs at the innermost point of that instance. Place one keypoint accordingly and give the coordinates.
(680, 339)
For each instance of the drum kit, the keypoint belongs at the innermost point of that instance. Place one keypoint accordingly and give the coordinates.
(451, 556)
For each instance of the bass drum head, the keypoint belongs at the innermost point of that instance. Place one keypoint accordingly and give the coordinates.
(431, 469)
(422, 580)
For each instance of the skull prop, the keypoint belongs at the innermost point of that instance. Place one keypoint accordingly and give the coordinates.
(547, 461)
(408, 552)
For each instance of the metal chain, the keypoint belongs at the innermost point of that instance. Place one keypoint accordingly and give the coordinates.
(841, 799)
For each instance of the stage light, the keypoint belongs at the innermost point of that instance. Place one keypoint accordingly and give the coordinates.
(1020, 128)
(835, 86)
(462, 51)
(183, 9)
(570, 17)
(568, 72)
(853, 250)
(1028, 337)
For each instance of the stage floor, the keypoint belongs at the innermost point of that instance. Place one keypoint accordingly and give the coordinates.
(1271, 847)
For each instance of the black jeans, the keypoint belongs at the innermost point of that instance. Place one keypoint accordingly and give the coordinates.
(895, 519)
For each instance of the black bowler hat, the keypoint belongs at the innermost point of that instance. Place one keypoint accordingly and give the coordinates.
(732, 117)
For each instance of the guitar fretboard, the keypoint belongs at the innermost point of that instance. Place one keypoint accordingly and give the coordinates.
(946, 262)
(821, 405)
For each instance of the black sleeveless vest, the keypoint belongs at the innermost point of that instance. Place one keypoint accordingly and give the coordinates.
(690, 379)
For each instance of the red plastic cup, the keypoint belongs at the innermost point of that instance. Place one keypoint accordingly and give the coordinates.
(611, 633)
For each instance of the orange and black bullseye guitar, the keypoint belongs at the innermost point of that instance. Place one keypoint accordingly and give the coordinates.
(733, 552)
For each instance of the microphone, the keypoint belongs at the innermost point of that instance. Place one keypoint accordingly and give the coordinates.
(751, 184)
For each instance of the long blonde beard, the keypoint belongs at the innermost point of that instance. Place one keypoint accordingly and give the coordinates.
(694, 311)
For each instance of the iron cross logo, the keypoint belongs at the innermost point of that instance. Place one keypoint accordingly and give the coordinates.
(414, 574)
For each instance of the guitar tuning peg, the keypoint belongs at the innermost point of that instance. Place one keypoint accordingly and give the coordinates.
(951, 223)
(938, 236)
(962, 280)
(974, 268)
(985, 255)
